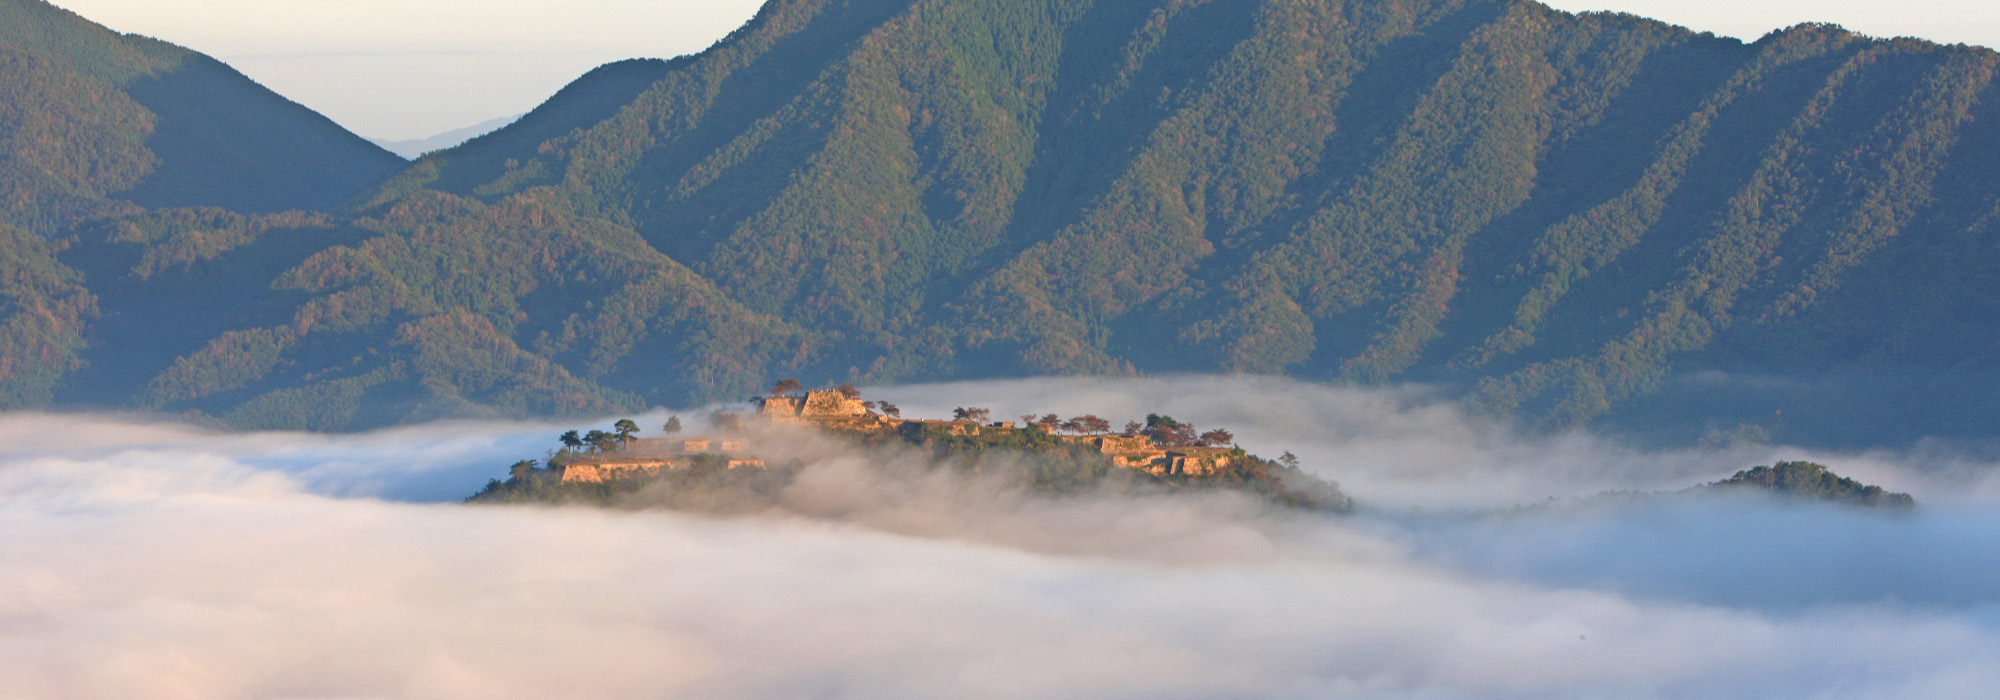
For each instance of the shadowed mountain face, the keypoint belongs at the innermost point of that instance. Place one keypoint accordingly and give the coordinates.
(1572, 218)
(225, 141)
(96, 123)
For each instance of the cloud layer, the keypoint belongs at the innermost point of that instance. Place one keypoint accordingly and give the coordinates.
(148, 560)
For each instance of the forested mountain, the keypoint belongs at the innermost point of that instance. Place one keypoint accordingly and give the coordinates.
(94, 123)
(1571, 218)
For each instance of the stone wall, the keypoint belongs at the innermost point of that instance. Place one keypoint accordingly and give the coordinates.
(1138, 452)
(1120, 444)
(596, 471)
(831, 404)
(781, 406)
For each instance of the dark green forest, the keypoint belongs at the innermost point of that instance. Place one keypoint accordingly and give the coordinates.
(1810, 482)
(1591, 219)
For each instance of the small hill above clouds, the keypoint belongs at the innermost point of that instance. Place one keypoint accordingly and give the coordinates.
(95, 123)
(1567, 216)
(1811, 482)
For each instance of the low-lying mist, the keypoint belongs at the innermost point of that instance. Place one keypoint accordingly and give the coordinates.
(156, 560)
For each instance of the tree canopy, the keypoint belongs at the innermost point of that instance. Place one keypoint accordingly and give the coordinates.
(1564, 218)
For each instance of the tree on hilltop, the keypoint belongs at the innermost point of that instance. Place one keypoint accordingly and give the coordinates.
(725, 421)
(1181, 435)
(786, 387)
(673, 425)
(522, 469)
(890, 409)
(976, 415)
(625, 429)
(1088, 425)
(1218, 438)
(571, 440)
(600, 441)
(1166, 431)
(848, 390)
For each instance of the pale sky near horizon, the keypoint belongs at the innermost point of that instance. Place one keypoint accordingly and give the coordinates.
(405, 69)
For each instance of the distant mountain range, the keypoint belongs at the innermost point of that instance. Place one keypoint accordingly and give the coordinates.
(415, 148)
(1569, 218)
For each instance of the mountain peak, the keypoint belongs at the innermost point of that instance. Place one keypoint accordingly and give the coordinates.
(98, 122)
(1566, 218)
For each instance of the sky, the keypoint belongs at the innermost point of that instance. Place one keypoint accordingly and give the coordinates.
(154, 560)
(410, 69)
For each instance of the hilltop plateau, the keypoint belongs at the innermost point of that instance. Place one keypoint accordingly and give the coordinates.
(750, 460)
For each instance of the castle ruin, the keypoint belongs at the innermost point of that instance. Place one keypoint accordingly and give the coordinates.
(650, 457)
(835, 410)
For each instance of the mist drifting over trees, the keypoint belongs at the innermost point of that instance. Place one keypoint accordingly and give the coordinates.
(254, 560)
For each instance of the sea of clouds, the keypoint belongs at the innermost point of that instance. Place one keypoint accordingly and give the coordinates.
(155, 560)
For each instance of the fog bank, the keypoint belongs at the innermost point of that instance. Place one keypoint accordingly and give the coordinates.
(160, 561)
(1409, 447)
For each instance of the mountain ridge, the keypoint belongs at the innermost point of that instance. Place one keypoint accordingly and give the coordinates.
(415, 148)
(1562, 214)
(100, 123)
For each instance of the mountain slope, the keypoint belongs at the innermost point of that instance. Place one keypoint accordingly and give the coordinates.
(1571, 217)
(1566, 209)
(94, 123)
